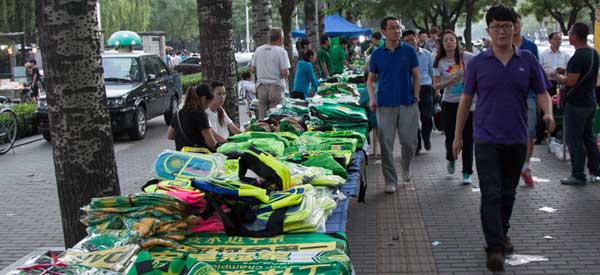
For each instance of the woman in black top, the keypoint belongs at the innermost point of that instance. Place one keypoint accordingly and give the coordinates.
(190, 126)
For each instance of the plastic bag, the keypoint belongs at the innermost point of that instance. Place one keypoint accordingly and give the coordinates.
(516, 259)
(173, 164)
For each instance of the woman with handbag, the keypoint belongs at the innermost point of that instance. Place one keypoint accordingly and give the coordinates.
(190, 126)
(448, 69)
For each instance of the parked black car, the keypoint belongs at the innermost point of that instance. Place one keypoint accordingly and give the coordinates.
(189, 66)
(139, 87)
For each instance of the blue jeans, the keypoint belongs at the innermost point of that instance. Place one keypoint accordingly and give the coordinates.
(499, 168)
(581, 141)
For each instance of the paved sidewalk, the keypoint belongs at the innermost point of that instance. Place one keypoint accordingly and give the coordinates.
(393, 234)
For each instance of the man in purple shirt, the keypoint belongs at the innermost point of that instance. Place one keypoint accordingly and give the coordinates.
(501, 78)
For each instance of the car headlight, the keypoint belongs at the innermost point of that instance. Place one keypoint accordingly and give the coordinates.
(116, 102)
(42, 104)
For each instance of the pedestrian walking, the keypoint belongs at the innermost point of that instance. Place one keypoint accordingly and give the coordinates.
(427, 92)
(523, 43)
(271, 65)
(448, 73)
(580, 106)
(305, 80)
(35, 80)
(395, 67)
(501, 78)
(433, 44)
(423, 36)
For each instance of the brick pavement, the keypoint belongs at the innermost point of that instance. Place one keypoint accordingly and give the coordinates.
(29, 210)
(393, 234)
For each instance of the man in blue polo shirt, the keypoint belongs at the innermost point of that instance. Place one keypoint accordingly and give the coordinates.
(426, 96)
(501, 77)
(523, 43)
(395, 67)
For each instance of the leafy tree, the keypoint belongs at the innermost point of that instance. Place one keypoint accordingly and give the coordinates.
(565, 12)
(178, 19)
(117, 15)
(18, 16)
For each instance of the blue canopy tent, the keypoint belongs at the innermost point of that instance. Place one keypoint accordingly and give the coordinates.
(335, 26)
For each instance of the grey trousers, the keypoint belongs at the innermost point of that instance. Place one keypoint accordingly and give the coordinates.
(403, 121)
(269, 96)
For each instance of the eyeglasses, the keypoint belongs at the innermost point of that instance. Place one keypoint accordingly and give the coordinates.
(221, 94)
(505, 27)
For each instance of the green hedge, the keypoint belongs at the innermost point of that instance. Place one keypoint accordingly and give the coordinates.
(190, 80)
(27, 124)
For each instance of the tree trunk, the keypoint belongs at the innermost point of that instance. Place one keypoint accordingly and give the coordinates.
(311, 23)
(287, 10)
(261, 21)
(84, 160)
(217, 49)
(468, 25)
(321, 7)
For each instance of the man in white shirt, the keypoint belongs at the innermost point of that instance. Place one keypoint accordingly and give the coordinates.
(271, 64)
(554, 60)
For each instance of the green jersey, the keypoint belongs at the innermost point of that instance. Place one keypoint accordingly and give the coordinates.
(338, 56)
(324, 57)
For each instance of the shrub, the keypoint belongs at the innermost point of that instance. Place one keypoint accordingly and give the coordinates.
(27, 125)
(190, 80)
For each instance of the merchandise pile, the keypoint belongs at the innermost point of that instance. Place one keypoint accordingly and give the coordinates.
(267, 202)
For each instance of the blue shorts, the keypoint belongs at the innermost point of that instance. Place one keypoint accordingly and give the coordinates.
(531, 117)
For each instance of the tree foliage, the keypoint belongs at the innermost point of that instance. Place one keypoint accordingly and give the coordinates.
(18, 16)
(131, 15)
(565, 12)
(178, 19)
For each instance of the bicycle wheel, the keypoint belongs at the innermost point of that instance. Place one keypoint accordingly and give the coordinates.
(8, 130)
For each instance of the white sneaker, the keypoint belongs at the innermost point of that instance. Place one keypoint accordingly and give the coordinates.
(390, 189)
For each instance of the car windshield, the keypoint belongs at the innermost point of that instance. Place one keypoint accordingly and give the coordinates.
(191, 61)
(121, 69)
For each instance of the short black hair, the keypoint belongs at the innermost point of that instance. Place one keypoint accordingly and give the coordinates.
(246, 75)
(216, 83)
(303, 43)
(500, 12)
(423, 32)
(32, 61)
(343, 41)
(408, 32)
(385, 20)
(580, 30)
(306, 55)
(324, 38)
(552, 35)
(377, 35)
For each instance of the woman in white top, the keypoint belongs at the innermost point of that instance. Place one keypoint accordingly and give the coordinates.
(219, 120)
(448, 71)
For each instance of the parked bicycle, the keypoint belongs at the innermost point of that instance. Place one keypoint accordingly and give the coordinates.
(8, 127)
